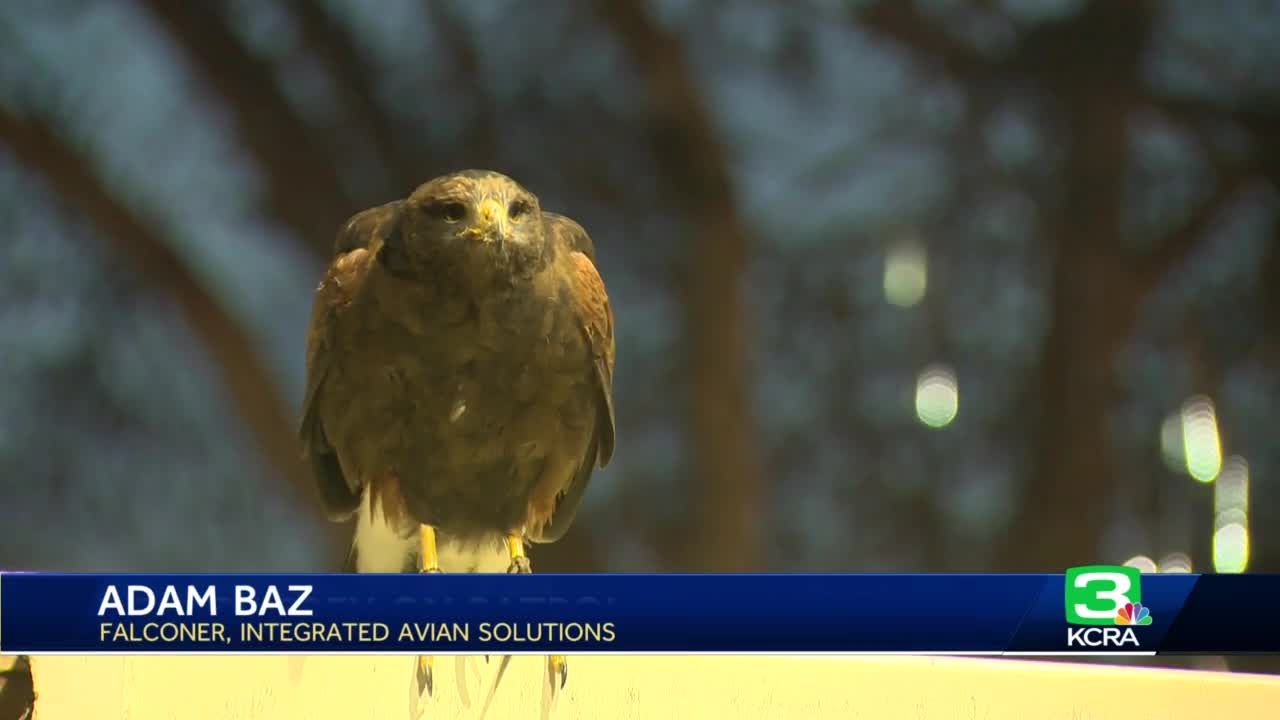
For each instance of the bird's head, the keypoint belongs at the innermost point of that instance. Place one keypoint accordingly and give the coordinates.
(477, 222)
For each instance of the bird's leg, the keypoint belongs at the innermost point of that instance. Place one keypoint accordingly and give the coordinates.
(519, 561)
(557, 665)
(430, 563)
(430, 559)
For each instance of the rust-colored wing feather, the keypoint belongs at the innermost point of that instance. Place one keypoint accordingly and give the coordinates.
(591, 305)
(597, 322)
(356, 244)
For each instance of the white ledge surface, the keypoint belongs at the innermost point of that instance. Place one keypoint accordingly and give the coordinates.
(736, 688)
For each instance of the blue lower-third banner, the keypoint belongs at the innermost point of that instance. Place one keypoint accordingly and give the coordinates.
(1096, 609)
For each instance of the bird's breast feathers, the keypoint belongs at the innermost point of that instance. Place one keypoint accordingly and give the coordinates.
(452, 354)
(443, 389)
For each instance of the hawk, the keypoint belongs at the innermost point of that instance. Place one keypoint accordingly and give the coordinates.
(459, 385)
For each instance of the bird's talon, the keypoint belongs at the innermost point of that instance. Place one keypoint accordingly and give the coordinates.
(519, 566)
(557, 669)
(425, 684)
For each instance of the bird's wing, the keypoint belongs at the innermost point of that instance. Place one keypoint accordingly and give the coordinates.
(595, 315)
(354, 247)
(565, 232)
(597, 322)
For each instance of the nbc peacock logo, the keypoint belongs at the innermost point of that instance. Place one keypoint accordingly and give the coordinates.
(1133, 614)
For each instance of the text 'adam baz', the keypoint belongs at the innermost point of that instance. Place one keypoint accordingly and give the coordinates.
(190, 600)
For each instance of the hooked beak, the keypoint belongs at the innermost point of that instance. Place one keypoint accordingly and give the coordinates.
(491, 223)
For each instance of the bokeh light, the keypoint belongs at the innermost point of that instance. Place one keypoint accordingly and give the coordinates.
(1200, 442)
(906, 273)
(1143, 563)
(1175, 563)
(1231, 548)
(937, 396)
(1171, 443)
(1231, 491)
(1231, 517)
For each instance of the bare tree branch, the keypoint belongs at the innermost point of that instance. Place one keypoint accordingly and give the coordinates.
(690, 154)
(1182, 242)
(1036, 52)
(903, 23)
(1202, 117)
(1039, 52)
(303, 183)
(251, 385)
(351, 74)
(1257, 118)
(481, 131)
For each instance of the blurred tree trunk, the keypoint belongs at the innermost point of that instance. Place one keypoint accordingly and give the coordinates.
(1094, 299)
(728, 509)
(1098, 284)
(252, 388)
(1092, 313)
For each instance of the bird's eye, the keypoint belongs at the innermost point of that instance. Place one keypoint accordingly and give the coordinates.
(448, 211)
(518, 209)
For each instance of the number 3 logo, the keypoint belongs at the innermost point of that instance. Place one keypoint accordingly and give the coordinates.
(1094, 594)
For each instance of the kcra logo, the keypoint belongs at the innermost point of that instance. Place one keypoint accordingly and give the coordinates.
(1107, 601)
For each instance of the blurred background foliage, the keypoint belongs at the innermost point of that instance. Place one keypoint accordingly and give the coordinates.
(922, 285)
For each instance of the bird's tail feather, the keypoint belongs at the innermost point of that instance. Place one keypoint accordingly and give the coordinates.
(378, 547)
